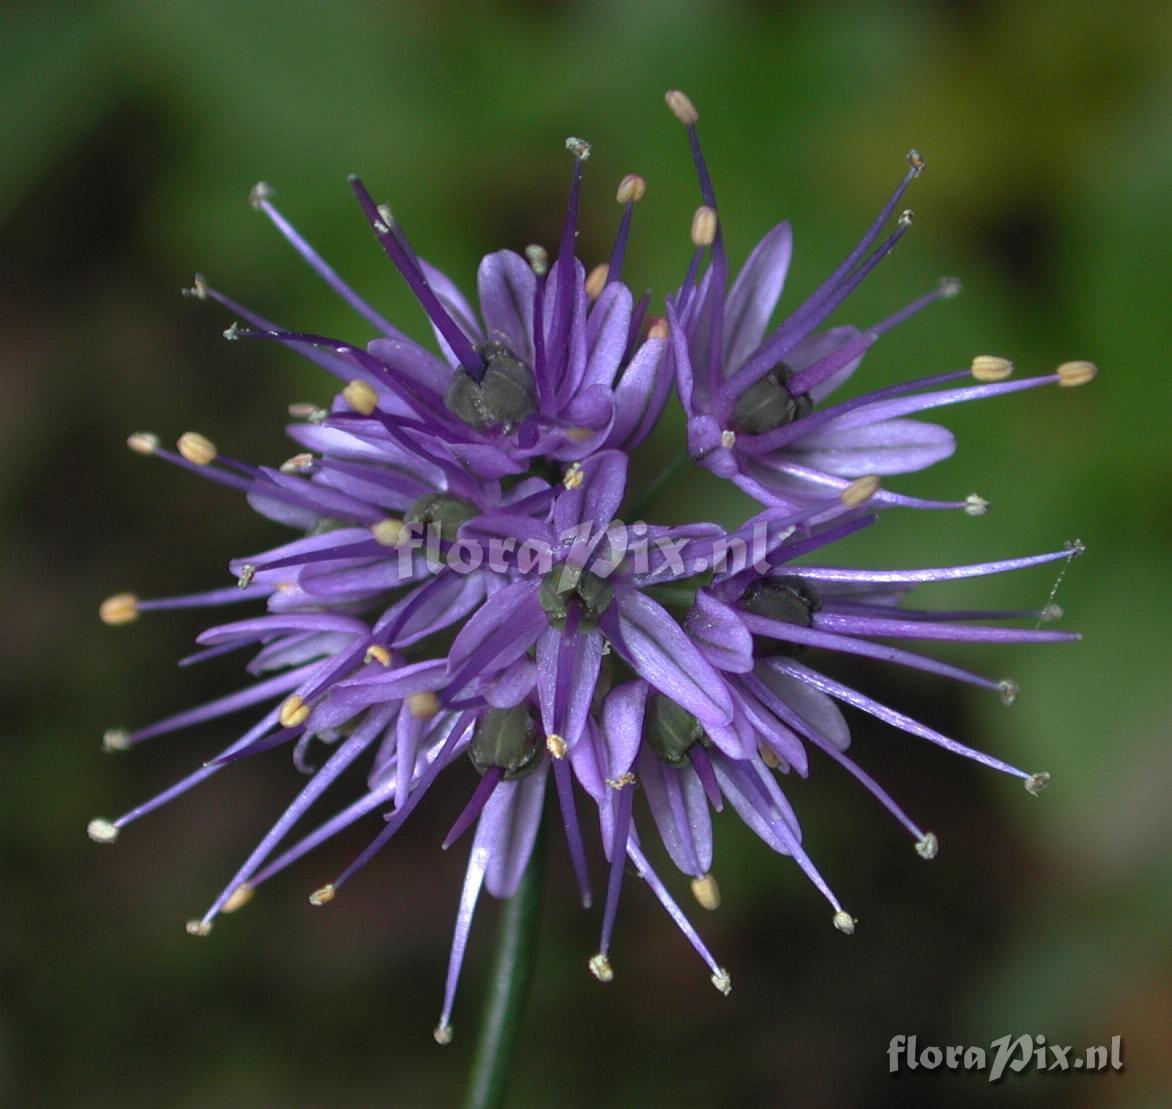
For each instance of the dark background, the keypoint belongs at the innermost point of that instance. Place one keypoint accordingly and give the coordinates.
(130, 134)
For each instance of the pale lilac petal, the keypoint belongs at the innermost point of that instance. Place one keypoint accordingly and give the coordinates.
(413, 363)
(755, 294)
(720, 634)
(522, 802)
(656, 646)
(622, 725)
(890, 447)
(817, 347)
(456, 306)
(500, 632)
(811, 704)
(639, 399)
(506, 285)
(606, 333)
(680, 809)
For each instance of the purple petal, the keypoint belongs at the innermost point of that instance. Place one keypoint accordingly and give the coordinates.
(506, 286)
(456, 306)
(607, 329)
(656, 646)
(412, 362)
(888, 447)
(755, 294)
(817, 347)
(811, 704)
(622, 726)
(680, 809)
(500, 632)
(719, 633)
(514, 811)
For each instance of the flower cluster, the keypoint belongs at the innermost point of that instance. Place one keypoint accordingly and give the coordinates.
(472, 592)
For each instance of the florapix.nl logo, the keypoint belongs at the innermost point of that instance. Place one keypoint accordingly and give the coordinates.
(1006, 1053)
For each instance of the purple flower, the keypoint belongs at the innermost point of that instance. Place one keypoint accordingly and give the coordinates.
(752, 395)
(463, 591)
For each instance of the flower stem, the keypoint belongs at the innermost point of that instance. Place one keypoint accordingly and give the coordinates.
(658, 484)
(512, 971)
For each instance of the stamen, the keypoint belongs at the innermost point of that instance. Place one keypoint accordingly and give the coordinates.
(238, 898)
(555, 745)
(657, 328)
(247, 573)
(259, 193)
(601, 968)
(722, 980)
(198, 927)
(122, 608)
(682, 107)
(1052, 612)
(844, 922)
(102, 831)
(728, 439)
(423, 706)
(1035, 783)
(859, 491)
(199, 288)
(1009, 690)
(975, 505)
(196, 449)
(442, 1034)
(1073, 374)
(360, 397)
(143, 442)
(580, 148)
(538, 259)
(950, 287)
(632, 189)
(574, 476)
(704, 224)
(294, 712)
(706, 891)
(323, 895)
(388, 532)
(990, 367)
(115, 739)
(906, 218)
(927, 847)
(770, 757)
(305, 410)
(596, 281)
(298, 464)
(378, 654)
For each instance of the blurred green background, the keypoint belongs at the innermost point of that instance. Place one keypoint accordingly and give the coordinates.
(130, 134)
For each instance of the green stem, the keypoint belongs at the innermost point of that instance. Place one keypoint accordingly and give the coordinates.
(658, 484)
(512, 971)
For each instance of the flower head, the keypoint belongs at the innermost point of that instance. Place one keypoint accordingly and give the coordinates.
(466, 598)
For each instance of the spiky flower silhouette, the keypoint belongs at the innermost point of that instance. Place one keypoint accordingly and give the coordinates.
(467, 598)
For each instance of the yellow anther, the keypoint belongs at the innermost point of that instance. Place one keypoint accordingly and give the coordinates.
(294, 712)
(706, 891)
(102, 831)
(991, 367)
(1072, 374)
(844, 922)
(632, 189)
(388, 532)
(574, 476)
(600, 967)
(360, 397)
(323, 896)
(378, 654)
(657, 328)
(122, 608)
(596, 281)
(859, 491)
(239, 897)
(199, 927)
(555, 745)
(704, 225)
(423, 706)
(198, 449)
